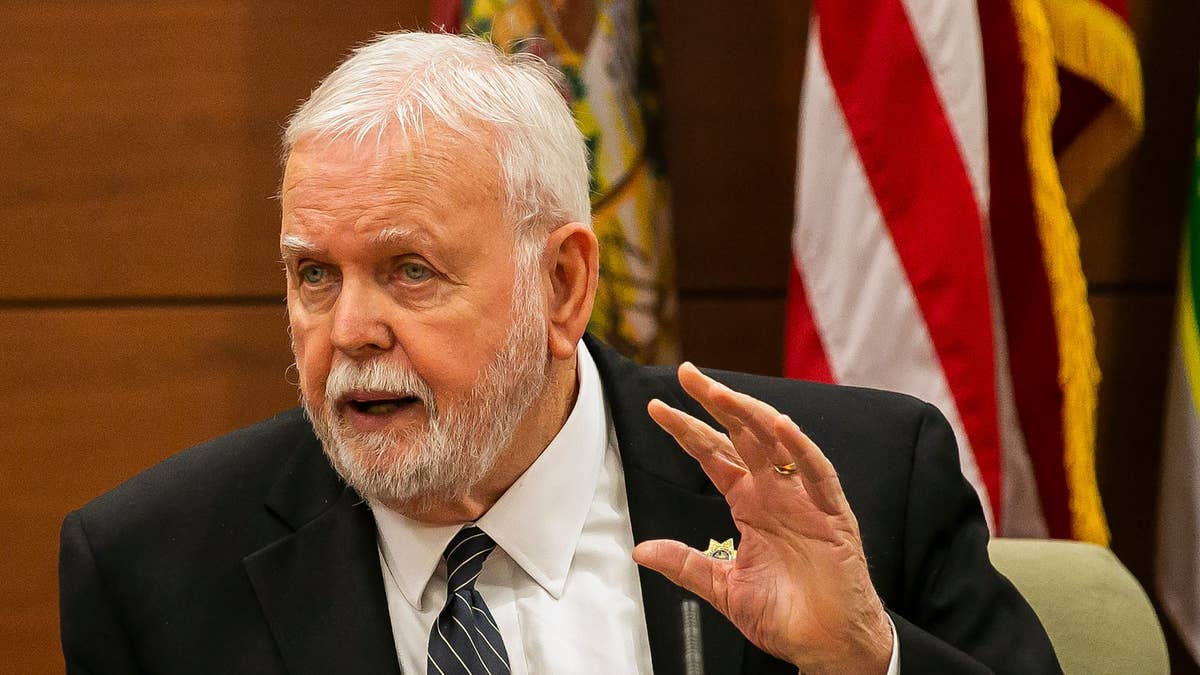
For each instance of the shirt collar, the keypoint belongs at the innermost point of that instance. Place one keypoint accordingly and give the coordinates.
(537, 521)
(411, 550)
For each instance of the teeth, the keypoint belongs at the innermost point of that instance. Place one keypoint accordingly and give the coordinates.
(381, 408)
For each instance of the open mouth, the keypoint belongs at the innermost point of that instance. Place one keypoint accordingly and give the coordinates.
(379, 404)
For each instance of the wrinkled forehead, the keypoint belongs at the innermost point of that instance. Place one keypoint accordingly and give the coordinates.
(445, 187)
(392, 154)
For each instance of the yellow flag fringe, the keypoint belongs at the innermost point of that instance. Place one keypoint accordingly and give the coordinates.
(1093, 42)
(1079, 371)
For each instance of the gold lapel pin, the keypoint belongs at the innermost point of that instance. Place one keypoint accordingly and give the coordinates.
(721, 550)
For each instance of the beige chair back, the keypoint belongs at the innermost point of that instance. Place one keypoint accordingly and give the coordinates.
(1097, 615)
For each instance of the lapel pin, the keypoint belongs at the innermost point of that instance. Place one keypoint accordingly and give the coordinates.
(721, 550)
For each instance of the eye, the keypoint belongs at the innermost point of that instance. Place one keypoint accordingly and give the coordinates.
(313, 274)
(414, 272)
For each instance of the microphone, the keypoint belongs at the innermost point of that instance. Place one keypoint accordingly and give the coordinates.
(693, 644)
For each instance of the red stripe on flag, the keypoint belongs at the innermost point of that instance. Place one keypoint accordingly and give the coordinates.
(804, 353)
(920, 182)
(1020, 270)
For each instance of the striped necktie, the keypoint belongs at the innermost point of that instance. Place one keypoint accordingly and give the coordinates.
(465, 639)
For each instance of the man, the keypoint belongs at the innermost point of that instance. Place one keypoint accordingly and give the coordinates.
(471, 476)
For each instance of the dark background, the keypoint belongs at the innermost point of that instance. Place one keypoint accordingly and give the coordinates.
(140, 300)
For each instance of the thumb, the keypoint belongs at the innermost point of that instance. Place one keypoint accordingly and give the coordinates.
(683, 566)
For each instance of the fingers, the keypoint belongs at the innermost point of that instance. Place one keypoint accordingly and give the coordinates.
(686, 567)
(814, 468)
(764, 438)
(708, 446)
(751, 423)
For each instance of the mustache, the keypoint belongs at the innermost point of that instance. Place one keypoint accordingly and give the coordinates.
(377, 375)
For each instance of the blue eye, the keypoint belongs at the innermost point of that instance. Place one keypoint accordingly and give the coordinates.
(313, 274)
(413, 271)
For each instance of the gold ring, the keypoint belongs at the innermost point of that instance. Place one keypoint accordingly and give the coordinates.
(786, 469)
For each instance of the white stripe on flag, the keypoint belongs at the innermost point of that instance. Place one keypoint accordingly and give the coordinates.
(852, 272)
(1021, 505)
(948, 33)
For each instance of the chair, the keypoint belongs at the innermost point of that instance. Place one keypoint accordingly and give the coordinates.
(1097, 615)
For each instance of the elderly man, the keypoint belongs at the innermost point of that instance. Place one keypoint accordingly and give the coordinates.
(473, 478)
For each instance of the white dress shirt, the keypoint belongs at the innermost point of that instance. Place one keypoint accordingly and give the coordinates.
(561, 583)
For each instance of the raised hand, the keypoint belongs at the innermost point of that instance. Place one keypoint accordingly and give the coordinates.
(799, 588)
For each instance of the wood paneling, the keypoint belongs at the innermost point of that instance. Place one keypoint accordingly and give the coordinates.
(141, 139)
(93, 396)
(734, 333)
(731, 81)
(138, 234)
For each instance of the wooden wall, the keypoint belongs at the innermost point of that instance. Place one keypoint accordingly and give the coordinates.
(731, 93)
(141, 310)
(142, 307)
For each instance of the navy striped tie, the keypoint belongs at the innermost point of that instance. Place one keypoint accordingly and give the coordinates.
(465, 639)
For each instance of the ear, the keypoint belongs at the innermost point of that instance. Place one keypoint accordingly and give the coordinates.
(572, 260)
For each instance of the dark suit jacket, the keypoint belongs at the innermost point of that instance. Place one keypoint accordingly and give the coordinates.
(247, 554)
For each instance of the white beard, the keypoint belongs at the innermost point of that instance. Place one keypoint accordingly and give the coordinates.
(459, 445)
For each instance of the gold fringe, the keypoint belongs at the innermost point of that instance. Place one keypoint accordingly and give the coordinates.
(1079, 372)
(1096, 44)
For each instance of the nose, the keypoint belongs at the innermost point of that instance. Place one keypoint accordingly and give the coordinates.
(360, 320)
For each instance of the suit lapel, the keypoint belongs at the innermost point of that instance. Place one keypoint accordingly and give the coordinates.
(669, 498)
(321, 587)
(659, 510)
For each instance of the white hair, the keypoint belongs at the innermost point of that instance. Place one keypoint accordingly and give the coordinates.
(513, 104)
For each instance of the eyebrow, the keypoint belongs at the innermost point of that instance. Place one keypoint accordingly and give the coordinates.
(402, 235)
(293, 246)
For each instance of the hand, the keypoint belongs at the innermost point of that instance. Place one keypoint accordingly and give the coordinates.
(799, 588)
